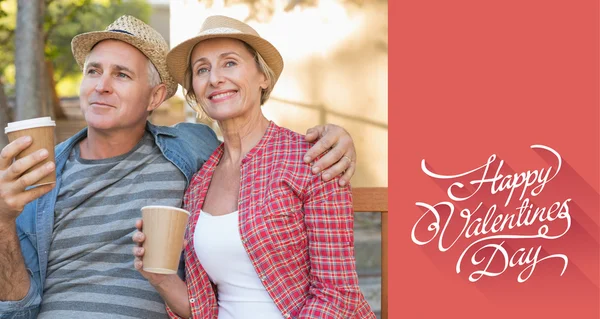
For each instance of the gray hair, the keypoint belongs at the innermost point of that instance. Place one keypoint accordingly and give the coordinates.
(153, 76)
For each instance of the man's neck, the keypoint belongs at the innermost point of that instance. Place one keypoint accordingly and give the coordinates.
(102, 144)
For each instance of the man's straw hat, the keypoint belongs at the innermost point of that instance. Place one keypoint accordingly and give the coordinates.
(178, 58)
(135, 32)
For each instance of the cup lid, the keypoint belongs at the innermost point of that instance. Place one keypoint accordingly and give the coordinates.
(27, 124)
(166, 207)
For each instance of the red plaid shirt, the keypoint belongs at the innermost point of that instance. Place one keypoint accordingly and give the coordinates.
(297, 230)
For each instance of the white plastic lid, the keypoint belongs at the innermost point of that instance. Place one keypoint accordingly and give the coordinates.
(27, 124)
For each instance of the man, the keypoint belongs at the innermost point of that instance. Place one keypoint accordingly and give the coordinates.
(65, 251)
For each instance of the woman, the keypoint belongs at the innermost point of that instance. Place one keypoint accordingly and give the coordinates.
(266, 238)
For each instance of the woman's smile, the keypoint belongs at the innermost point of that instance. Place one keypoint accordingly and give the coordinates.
(220, 96)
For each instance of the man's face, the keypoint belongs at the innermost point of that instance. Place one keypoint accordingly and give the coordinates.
(115, 90)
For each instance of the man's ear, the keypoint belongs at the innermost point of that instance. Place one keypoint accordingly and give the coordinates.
(157, 96)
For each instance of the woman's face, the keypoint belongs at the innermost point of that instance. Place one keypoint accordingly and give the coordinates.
(226, 79)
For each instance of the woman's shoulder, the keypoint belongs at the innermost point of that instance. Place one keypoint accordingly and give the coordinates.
(286, 150)
(291, 138)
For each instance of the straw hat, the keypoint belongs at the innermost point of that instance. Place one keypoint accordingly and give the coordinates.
(178, 58)
(135, 32)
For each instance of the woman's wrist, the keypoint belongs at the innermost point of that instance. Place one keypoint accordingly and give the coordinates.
(174, 292)
(166, 282)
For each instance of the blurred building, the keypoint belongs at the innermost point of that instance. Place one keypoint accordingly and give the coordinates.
(160, 17)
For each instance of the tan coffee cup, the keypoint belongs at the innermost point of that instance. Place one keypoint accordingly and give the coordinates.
(41, 130)
(164, 228)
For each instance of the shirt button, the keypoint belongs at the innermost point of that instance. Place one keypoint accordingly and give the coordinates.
(263, 278)
(286, 315)
(192, 300)
(244, 240)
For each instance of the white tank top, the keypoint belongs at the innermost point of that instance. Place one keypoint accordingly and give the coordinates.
(221, 253)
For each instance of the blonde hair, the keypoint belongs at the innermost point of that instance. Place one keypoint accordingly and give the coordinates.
(261, 64)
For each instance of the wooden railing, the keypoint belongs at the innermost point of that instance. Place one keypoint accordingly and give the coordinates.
(375, 199)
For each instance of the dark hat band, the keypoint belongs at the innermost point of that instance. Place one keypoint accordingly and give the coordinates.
(122, 31)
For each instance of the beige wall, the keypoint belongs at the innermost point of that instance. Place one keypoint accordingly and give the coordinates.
(159, 19)
(335, 70)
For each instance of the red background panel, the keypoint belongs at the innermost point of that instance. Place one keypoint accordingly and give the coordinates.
(469, 79)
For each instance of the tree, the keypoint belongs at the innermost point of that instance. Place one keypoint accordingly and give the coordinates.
(66, 18)
(6, 46)
(263, 10)
(5, 117)
(29, 61)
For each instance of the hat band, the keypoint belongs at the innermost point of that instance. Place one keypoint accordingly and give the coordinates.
(219, 31)
(121, 31)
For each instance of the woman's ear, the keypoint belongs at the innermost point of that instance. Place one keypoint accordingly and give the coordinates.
(264, 83)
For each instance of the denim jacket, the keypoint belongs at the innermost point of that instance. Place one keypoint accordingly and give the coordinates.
(185, 145)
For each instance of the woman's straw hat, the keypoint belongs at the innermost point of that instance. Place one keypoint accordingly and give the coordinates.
(135, 32)
(178, 58)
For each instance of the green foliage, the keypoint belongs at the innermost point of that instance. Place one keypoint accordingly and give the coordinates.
(8, 20)
(83, 16)
(62, 21)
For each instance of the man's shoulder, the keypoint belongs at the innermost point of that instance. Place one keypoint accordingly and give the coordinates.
(184, 128)
(196, 128)
(194, 138)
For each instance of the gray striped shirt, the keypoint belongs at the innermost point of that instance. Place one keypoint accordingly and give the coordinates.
(90, 266)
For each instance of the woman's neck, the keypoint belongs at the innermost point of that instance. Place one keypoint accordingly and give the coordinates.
(240, 135)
